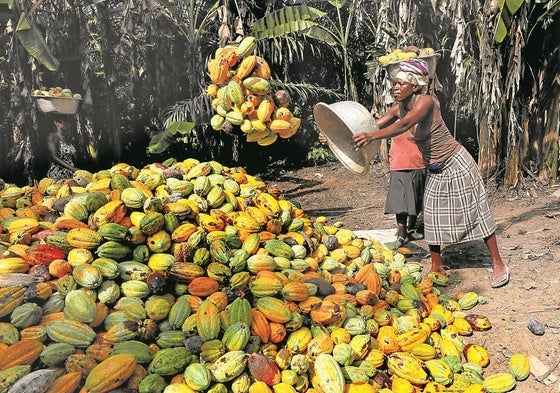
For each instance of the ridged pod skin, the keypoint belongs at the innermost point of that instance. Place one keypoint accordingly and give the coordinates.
(67, 383)
(499, 383)
(12, 375)
(275, 310)
(207, 320)
(329, 374)
(519, 366)
(263, 369)
(22, 352)
(406, 366)
(110, 373)
(84, 238)
(218, 69)
(228, 366)
(43, 254)
(475, 353)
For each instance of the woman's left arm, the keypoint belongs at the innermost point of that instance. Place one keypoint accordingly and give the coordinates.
(422, 108)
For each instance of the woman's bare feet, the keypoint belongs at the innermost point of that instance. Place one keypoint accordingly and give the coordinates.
(440, 270)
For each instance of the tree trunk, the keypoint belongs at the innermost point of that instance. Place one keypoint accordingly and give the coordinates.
(549, 164)
(487, 142)
(112, 115)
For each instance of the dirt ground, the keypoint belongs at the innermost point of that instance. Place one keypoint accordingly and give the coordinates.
(528, 234)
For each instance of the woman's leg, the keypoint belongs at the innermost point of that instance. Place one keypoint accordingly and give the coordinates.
(437, 263)
(412, 233)
(500, 270)
(401, 224)
(412, 223)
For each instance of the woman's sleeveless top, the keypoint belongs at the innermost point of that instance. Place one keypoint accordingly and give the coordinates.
(435, 140)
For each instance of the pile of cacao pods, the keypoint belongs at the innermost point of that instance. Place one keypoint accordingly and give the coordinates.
(189, 276)
(242, 95)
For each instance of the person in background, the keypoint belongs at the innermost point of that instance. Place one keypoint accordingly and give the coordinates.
(406, 184)
(456, 207)
(61, 153)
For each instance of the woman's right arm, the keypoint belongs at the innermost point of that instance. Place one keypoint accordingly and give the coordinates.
(391, 116)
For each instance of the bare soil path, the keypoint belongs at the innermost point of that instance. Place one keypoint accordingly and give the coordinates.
(528, 221)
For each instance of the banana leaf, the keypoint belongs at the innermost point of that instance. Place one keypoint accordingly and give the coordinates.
(501, 31)
(180, 127)
(160, 142)
(514, 5)
(286, 20)
(321, 34)
(32, 40)
(505, 16)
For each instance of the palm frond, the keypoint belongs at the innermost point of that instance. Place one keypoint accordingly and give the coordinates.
(196, 110)
(308, 92)
(286, 20)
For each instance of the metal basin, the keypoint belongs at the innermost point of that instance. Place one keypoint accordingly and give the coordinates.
(339, 122)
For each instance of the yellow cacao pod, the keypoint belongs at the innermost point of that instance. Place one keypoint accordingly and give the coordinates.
(499, 383)
(265, 110)
(519, 366)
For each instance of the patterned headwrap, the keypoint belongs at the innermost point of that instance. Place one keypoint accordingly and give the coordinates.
(414, 71)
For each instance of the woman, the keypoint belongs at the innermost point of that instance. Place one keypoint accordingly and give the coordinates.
(61, 153)
(456, 206)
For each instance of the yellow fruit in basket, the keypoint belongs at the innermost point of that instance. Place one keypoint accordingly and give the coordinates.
(429, 51)
(383, 59)
(406, 55)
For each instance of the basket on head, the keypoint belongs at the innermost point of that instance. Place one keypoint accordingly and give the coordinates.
(57, 105)
(393, 68)
(339, 122)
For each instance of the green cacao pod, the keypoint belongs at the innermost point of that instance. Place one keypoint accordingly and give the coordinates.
(170, 361)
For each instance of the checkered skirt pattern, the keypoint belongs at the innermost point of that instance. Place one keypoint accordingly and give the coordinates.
(456, 207)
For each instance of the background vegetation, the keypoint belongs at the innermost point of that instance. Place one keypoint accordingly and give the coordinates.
(141, 68)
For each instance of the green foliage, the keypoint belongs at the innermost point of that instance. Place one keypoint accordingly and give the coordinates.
(177, 130)
(286, 20)
(32, 40)
(319, 154)
(504, 17)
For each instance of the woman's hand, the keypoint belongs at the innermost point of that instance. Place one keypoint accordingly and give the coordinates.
(322, 138)
(361, 139)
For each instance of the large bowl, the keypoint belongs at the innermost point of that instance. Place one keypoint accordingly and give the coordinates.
(339, 122)
(393, 68)
(57, 105)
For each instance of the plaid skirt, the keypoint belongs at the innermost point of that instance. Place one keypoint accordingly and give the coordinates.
(406, 191)
(456, 207)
